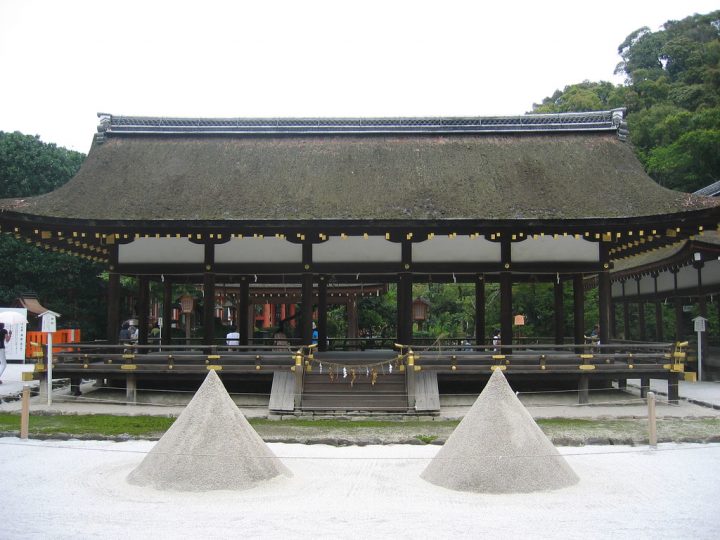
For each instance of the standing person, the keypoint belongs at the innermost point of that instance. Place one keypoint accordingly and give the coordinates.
(5, 336)
(232, 339)
(496, 339)
(314, 334)
(124, 335)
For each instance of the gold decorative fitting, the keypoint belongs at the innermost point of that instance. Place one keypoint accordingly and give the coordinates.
(407, 266)
(507, 265)
(307, 267)
(208, 267)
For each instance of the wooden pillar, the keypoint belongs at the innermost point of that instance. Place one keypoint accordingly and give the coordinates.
(626, 314)
(306, 305)
(506, 317)
(306, 308)
(113, 297)
(209, 294)
(604, 303)
(673, 392)
(613, 319)
(702, 311)
(266, 316)
(244, 327)
(405, 308)
(404, 305)
(167, 313)
(322, 313)
(559, 316)
(677, 301)
(578, 309)
(480, 310)
(353, 329)
(659, 330)
(644, 386)
(641, 313)
(583, 388)
(143, 308)
(130, 389)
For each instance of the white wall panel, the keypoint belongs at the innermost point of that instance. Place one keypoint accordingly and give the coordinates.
(258, 250)
(356, 249)
(161, 250)
(458, 249)
(560, 249)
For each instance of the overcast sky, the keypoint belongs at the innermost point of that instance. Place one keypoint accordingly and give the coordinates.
(62, 62)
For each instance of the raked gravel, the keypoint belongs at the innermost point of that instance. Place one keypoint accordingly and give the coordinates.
(210, 446)
(498, 448)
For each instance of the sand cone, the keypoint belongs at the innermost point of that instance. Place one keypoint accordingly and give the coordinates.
(210, 446)
(498, 448)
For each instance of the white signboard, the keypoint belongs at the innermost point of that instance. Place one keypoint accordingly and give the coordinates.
(15, 348)
(699, 324)
(49, 323)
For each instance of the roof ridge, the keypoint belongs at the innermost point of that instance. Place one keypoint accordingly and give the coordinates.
(609, 120)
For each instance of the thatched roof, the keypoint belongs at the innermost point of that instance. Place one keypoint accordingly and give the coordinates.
(198, 174)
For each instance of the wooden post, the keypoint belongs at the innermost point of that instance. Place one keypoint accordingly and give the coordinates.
(306, 308)
(659, 330)
(578, 311)
(558, 298)
(677, 301)
(167, 313)
(42, 386)
(673, 393)
(25, 412)
(410, 380)
(113, 298)
(209, 308)
(583, 392)
(480, 310)
(322, 314)
(652, 424)
(604, 302)
(506, 318)
(702, 311)
(644, 386)
(299, 369)
(404, 308)
(243, 315)
(143, 309)
(642, 334)
(130, 389)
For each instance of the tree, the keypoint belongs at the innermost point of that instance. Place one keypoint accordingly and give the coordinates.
(672, 95)
(29, 166)
(66, 284)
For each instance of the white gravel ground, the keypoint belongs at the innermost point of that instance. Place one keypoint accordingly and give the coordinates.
(78, 489)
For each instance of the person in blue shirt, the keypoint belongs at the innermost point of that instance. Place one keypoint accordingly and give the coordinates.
(314, 334)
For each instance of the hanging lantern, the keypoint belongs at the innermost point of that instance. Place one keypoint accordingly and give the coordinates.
(187, 303)
(420, 311)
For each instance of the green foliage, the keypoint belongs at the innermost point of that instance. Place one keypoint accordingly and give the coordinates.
(672, 94)
(29, 166)
(585, 96)
(63, 283)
